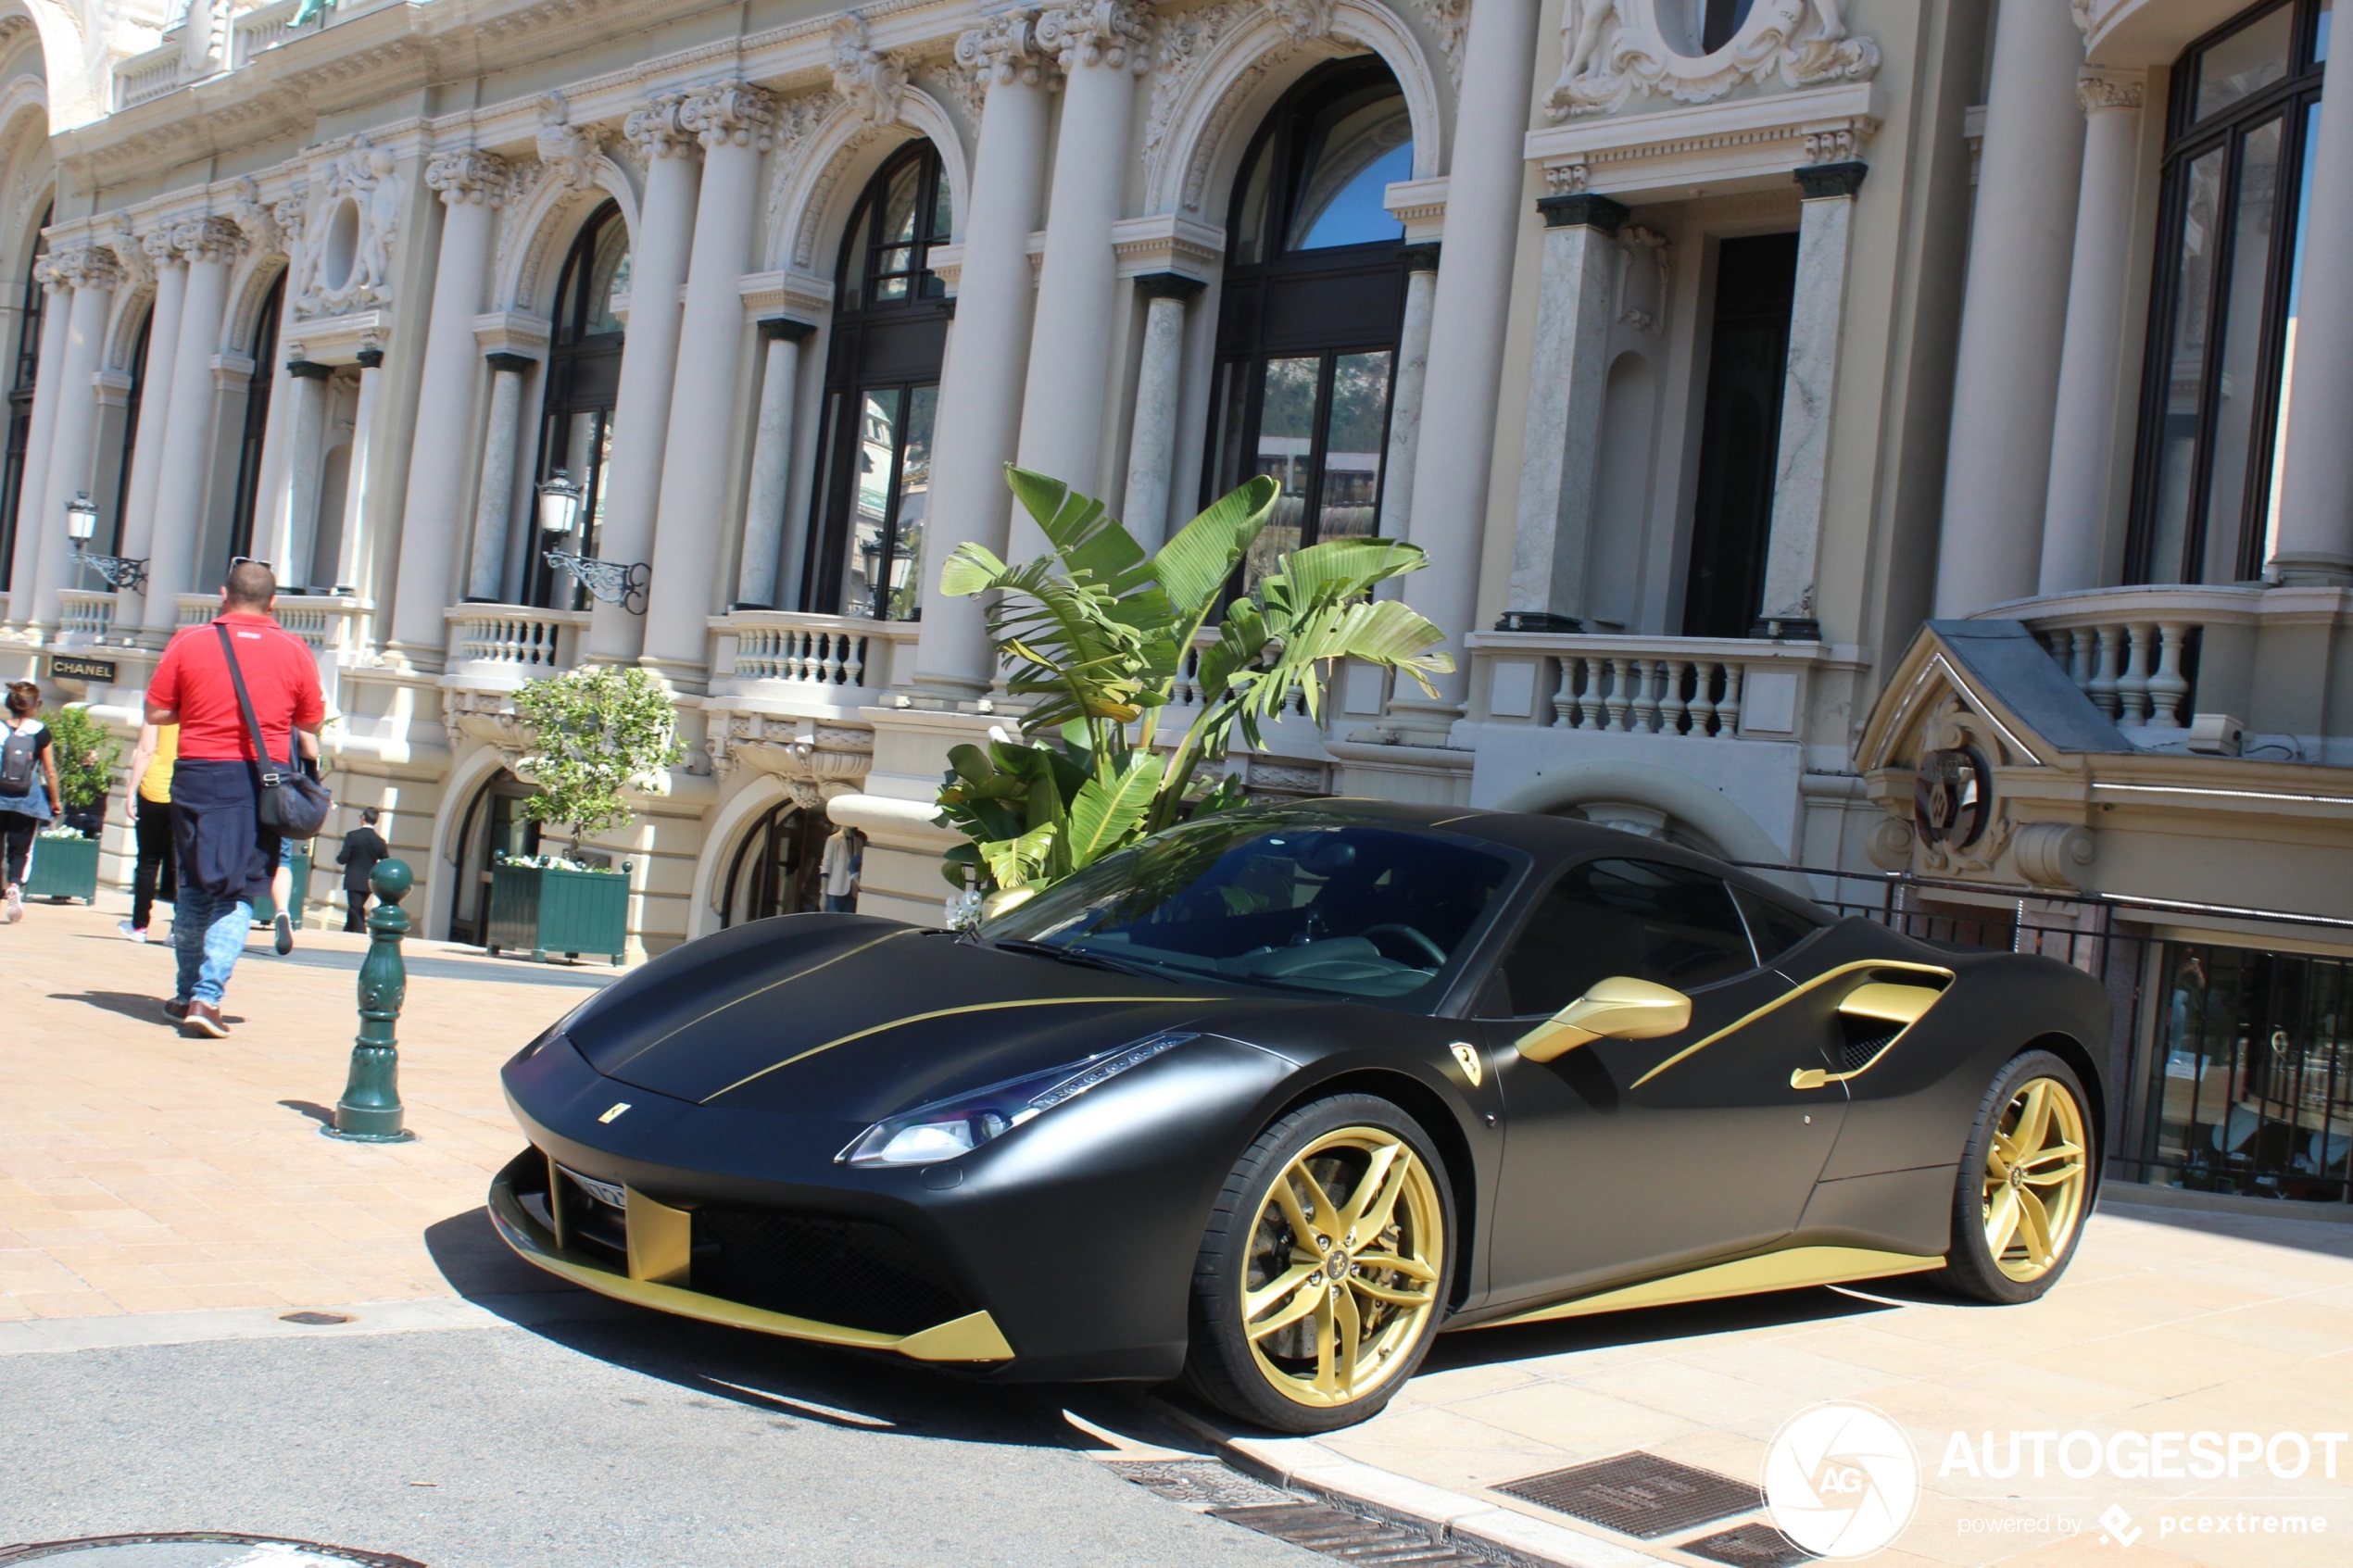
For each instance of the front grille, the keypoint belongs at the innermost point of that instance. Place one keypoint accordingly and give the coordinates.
(850, 1272)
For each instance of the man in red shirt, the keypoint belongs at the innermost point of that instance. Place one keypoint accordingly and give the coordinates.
(226, 857)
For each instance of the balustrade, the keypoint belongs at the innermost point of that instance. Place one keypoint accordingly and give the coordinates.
(515, 637)
(144, 77)
(837, 658)
(1691, 688)
(85, 617)
(2131, 671)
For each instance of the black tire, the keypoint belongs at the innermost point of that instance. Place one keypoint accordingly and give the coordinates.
(1225, 1365)
(2023, 1274)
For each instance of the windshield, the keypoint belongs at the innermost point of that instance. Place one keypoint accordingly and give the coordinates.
(1377, 914)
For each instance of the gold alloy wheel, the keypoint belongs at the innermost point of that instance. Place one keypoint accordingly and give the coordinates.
(2035, 1179)
(1346, 1255)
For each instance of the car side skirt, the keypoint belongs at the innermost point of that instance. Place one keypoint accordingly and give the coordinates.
(972, 1338)
(1790, 1269)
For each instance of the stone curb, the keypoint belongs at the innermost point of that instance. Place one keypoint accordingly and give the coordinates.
(1302, 1464)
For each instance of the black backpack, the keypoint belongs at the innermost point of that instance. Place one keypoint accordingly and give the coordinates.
(16, 758)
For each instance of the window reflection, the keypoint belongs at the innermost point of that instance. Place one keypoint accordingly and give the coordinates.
(2243, 65)
(1353, 153)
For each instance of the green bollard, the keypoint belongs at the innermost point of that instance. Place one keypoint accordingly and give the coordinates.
(369, 1111)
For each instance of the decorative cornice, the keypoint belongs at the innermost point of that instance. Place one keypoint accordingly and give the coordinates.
(467, 176)
(1117, 34)
(730, 113)
(654, 130)
(2097, 92)
(868, 79)
(1825, 182)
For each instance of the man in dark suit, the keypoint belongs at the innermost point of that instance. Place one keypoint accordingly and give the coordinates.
(363, 847)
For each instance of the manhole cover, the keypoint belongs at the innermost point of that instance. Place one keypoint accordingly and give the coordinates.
(1346, 1536)
(1205, 1483)
(1750, 1545)
(199, 1549)
(1639, 1494)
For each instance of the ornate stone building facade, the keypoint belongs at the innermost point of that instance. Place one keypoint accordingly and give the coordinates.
(1713, 348)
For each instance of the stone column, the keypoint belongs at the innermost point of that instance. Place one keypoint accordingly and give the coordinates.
(1468, 314)
(94, 271)
(471, 183)
(1103, 48)
(356, 551)
(771, 462)
(297, 529)
(2316, 473)
(980, 394)
(210, 245)
(494, 500)
(32, 485)
(1406, 393)
(1809, 400)
(1151, 442)
(1568, 378)
(2083, 431)
(659, 255)
(154, 411)
(1997, 465)
(734, 120)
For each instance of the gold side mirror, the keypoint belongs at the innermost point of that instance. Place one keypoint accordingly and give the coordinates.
(1620, 1007)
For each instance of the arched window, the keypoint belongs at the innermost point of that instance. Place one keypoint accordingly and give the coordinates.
(774, 867)
(584, 378)
(28, 316)
(2238, 161)
(265, 375)
(1309, 314)
(882, 388)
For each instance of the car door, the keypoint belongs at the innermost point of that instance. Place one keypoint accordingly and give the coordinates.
(1627, 1159)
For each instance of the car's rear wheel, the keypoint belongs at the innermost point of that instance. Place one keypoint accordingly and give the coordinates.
(1322, 1274)
(2025, 1184)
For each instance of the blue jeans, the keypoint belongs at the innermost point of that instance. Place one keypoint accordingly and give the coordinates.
(207, 933)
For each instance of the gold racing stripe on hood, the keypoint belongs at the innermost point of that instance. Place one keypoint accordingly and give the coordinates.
(943, 1012)
(797, 974)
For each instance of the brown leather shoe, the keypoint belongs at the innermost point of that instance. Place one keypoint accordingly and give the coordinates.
(175, 1009)
(203, 1022)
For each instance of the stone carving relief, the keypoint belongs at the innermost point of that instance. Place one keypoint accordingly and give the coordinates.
(349, 219)
(730, 113)
(1451, 20)
(815, 762)
(469, 175)
(1117, 34)
(1641, 279)
(1005, 49)
(653, 131)
(84, 265)
(1613, 51)
(868, 79)
(1961, 823)
(567, 152)
(796, 120)
(1184, 43)
(207, 239)
(256, 218)
(138, 268)
(1303, 19)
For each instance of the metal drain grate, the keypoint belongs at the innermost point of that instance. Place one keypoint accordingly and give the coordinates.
(1346, 1536)
(197, 1549)
(1200, 1483)
(1750, 1545)
(1638, 1494)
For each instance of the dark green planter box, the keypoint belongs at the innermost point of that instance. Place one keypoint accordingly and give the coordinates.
(63, 867)
(543, 909)
(265, 909)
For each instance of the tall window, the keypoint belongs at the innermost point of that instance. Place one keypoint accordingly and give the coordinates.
(882, 391)
(2238, 161)
(1313, 301)
(130, 429)
(265, 376)
(28, 319)
(1740, 434)
(584, 379)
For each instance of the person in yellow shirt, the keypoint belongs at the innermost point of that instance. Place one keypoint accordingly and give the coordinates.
(149, 805)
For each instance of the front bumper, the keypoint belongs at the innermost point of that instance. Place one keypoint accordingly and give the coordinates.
(656, 1250)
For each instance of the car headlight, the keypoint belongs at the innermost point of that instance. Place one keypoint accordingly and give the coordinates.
(949, 1127)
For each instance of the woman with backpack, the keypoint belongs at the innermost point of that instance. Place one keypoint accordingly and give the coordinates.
(28, 788)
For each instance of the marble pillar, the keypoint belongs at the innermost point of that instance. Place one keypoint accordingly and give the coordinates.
(1568, 386)
(771, 461)
(1103, 47)
(1809, 402)
(2315, 544)
(1468, 314)
(32, 485)
(94, 271)
(471, 183)
(1997, 463)
(980, 394)
(1151, 444)
(2075, 509)
(355, 550)
(660, 253)
(297, 529)
(154, 412)
(209, 247)
(1406, 393)
(495, 497)
(734, 122)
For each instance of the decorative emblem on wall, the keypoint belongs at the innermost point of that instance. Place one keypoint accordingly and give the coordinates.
(1614, 50)
(1952, 796)
(344, 261)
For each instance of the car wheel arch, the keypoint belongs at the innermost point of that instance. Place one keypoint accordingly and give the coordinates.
(2073, 1052)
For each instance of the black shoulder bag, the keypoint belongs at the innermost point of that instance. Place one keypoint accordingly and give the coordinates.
(293, 804)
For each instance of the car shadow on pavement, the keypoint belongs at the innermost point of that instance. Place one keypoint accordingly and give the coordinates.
(784, 1378)
(1646, 1326)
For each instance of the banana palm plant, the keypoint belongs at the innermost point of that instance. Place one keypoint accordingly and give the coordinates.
(1096, 635)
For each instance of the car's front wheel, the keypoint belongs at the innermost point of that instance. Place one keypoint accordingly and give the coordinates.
(1322, 1274)
(2025, 1183)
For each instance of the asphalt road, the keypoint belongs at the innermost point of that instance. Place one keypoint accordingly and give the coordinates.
(611, 1440)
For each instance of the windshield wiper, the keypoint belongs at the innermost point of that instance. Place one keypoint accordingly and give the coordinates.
(1061, 955)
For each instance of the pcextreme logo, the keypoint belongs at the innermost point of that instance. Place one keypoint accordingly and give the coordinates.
(1841, 1480)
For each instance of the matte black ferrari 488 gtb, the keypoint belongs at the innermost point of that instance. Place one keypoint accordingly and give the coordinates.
(1270, 1099)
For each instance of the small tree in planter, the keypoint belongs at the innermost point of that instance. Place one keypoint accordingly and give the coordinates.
(87, 757)
(596, 733)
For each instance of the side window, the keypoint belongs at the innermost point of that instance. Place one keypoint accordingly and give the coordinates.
(1608, 918)
(1774, 927)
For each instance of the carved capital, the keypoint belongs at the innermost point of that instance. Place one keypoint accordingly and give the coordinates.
(1005, 49)
(869, 80)
(207, 239)
(2098, 92)
(160, 251)
(730, 113)
(568, 151)
(85, 266)
(45, 273)
(1116, 34)
(468, 175)
(654, 132)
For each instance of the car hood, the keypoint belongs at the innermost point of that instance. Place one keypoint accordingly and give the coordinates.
(857, 1018)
